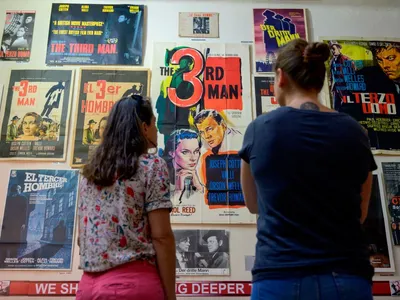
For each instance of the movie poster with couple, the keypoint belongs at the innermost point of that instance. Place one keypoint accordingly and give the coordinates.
(39, 220)
(364, 82)
(202, 252)
(202, 101)
(99, 89)
(16, 43)
(36, 115)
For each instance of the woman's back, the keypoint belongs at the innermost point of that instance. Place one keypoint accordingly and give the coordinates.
(309, 167)
(114, 226)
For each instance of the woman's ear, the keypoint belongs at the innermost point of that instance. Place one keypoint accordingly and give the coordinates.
(172, 154)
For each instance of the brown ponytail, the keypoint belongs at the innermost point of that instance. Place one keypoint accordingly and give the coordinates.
(304, 63)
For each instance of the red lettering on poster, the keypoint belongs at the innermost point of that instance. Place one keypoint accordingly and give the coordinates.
(81, 48)
(107, 49)
(191, 77)
(223, 83)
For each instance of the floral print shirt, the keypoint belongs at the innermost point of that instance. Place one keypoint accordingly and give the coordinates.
(113, 223)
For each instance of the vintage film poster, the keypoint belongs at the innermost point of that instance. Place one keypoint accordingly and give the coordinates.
(36, 115)
(376, 230)
(203, 105)
(99, 89)
(274, 28)
(16, 42)
(95, 34)
(39, 220)
(202, 252)
(264, 94)
(199, 24)
(364, 82)
(391, 175)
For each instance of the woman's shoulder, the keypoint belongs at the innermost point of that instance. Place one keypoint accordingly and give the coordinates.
(151, 160)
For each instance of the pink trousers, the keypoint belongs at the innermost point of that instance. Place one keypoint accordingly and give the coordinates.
(138, 280)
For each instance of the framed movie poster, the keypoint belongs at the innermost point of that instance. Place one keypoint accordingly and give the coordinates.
(264, 94)
(39, 220)
(391, 176)
(95, 34)
(199, 24)
(16, 43)
(36, 115)
(377, 231)
(363, 79)
(99, 89)
(202, 252)
(274, 28)
(199, 87)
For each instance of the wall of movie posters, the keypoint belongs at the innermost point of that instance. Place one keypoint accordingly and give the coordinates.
(201, 95)
(204, 98)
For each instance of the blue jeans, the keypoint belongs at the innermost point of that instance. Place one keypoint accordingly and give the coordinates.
(331, 286)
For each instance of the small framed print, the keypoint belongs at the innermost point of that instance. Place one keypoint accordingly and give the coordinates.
(199, 24)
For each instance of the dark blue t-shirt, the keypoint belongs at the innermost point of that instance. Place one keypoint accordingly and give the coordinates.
(309, 167)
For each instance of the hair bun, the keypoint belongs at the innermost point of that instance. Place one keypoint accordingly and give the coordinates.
(316, 52)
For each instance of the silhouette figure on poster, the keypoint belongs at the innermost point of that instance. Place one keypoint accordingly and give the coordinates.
(136, 89)
(53, 98)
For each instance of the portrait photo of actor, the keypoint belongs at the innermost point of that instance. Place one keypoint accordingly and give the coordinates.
(215, 133)
(89, 133)
(184, 240)
(12, 129)
(217, 257)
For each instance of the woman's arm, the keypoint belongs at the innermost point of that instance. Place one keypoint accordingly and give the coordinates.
(164, 244)
(248, 187)
(365, 197)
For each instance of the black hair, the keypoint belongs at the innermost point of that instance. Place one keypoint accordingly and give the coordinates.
(304, 63)
(123, 142)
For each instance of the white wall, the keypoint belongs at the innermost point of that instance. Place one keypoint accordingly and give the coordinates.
(326, 18)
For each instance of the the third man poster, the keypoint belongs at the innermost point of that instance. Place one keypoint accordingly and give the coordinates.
(203, 109)
(364, 82)
(95, 34)
(98, 91)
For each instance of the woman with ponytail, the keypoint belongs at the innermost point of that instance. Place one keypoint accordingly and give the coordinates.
(306, 171)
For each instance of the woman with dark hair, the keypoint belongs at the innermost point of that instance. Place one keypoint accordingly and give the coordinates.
(127, 247)
(29, 128)
(182, 153)
(21, 41)
(307, 173)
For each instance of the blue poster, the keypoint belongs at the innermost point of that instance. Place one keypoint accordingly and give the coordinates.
(95, 34)
(39, 220)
